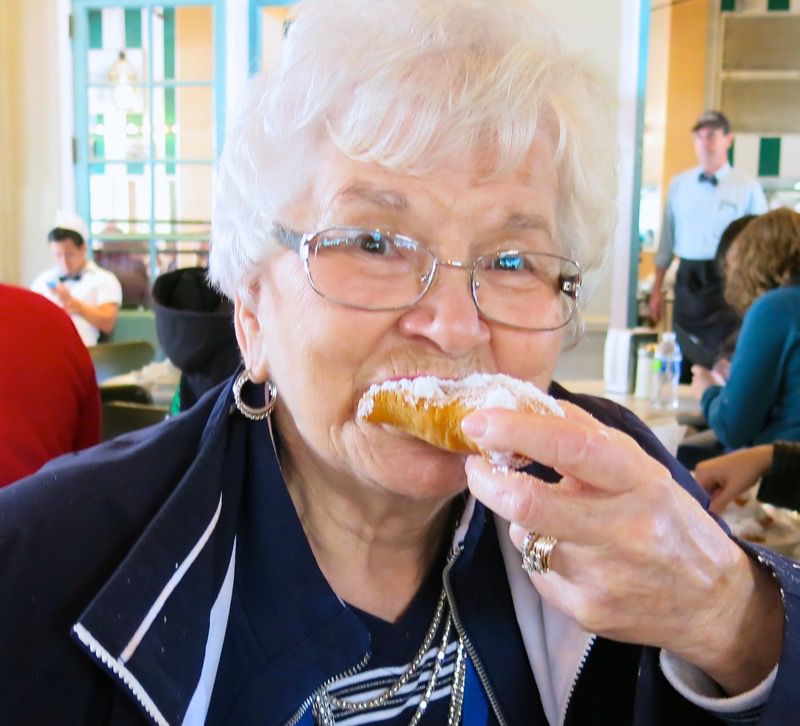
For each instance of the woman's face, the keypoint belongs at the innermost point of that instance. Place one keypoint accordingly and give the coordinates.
(322, 356)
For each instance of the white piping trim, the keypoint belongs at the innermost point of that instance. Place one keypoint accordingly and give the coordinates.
(197, 710)
(118, 667)
(556, 645)
(177, 576)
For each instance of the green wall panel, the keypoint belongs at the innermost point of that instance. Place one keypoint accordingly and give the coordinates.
(133, 28)
(769, 157)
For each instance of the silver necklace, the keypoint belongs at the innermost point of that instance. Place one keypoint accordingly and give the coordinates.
(325, 703)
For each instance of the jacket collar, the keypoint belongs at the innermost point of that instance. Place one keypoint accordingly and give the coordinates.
(151, 624)
(148, 623)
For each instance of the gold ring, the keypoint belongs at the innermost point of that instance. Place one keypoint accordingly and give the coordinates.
(536, 553)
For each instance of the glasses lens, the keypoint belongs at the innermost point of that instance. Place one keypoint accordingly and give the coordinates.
(529, 290)
(368, 269)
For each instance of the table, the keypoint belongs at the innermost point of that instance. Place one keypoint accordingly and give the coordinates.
(663, 422)
(159, 378)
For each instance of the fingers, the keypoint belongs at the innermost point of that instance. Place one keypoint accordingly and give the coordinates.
(564, 512)
(720, 499)
(706, 478)
(577, 445)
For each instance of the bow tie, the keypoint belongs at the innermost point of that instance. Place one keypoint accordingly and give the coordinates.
(710, 178)
(74, 278)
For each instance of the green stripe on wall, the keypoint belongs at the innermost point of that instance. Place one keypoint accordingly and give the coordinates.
(777, 4)
(133, 28)
(169, 93)
(169, 119)
(170, 143)
(137, 119)
(731, 150)
(95, 29)
(169, 106)
(727, 5)
(169, 43)
(97, 144)
(769, 156)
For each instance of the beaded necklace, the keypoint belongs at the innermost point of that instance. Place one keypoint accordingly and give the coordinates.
(325, 702)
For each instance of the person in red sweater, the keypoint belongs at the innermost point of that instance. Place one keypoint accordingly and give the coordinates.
(49, 400)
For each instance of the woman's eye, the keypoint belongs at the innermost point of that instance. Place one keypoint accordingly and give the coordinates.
(511, 263)
(374, 243)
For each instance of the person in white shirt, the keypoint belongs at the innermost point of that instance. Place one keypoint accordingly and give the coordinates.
(701, 203)
(89, 294)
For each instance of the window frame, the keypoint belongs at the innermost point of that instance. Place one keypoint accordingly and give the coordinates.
(82, 162)
(255, 30)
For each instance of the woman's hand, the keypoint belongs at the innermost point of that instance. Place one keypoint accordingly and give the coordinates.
(726, 477)
(637, 558)
(722, 368)
(702, 378)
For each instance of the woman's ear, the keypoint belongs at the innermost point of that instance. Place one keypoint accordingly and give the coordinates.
(249, 335)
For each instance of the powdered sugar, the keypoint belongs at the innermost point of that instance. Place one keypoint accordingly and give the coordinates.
(478, 390)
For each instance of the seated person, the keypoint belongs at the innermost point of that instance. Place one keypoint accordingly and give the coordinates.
(412, 194)
(760, 402)
(777, 466)
(723, 354)
(91, 295)
(49, 402)
(194, 323)
(131, 271)
(703, 443)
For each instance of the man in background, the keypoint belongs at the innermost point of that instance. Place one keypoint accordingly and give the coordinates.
(701, 202)
(49, 401)
(90, 295)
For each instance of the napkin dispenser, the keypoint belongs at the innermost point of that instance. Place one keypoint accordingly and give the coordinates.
(619, 357)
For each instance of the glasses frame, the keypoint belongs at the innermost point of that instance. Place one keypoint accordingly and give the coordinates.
(303, 242)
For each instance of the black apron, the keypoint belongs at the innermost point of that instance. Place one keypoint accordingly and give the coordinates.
(703, 320)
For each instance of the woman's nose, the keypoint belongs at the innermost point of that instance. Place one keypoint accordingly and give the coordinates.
(447, 315)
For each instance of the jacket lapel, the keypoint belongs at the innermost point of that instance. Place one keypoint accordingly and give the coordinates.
(149, 623)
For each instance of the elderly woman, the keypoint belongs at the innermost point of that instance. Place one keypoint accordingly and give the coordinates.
(412, 193)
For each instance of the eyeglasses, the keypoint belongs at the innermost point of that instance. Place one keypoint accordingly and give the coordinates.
(371, 269)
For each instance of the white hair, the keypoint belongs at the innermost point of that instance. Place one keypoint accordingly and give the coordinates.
(411, 85)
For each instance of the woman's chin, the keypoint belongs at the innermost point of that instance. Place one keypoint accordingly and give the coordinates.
(393, 456)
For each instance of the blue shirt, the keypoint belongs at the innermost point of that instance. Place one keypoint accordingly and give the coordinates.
(760, 403)
(697, 212)
(241, 686)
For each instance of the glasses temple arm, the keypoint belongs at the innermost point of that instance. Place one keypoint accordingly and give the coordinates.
(287, 237)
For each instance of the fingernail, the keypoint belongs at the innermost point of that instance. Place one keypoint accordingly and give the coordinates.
(474, 425)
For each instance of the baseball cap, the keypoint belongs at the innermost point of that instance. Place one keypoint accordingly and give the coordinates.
(714, 120)
(71, 221)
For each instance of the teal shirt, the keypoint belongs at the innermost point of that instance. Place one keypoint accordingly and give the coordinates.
(760, 403)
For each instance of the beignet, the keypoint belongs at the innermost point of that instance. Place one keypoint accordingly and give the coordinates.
(431, 408)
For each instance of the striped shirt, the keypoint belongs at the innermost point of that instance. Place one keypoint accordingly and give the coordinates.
(401, 707)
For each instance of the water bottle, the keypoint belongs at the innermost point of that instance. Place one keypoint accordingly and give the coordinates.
(666, 372)
(644, 370)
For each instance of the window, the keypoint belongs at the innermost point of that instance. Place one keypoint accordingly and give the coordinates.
(268, 25)
(149, 111)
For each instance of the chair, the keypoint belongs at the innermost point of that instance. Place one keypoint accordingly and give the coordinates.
(119, 417)
(128, 392)
(113, 359)
(136, 325)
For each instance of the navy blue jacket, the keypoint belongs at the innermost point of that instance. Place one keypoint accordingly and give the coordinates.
(114, 561)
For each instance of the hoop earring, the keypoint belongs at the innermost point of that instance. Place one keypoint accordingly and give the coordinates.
(254, 414)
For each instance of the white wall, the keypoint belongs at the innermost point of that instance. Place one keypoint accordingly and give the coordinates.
(607, 34)
(32, 108)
